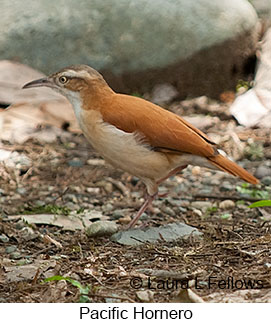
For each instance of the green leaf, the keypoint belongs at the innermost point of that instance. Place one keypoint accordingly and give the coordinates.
(82, 289)
(260, 203)
(253, 192)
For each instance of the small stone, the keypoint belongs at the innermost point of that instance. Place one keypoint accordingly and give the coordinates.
(101, 228)
(71, 205)
(4, 238)
(112, 299)
(163, 93)
(23, 262)
(156, 210)
(20, 224)
(168, 210)
(214, 182)
(21, 190)
(144, 216)
(93, 190)
(226, 204)
(15, 255)
(201, 205)
(95, 162)
(184, 203)
(117, 214)
(226, 187)
(205, 191)
(39, 203)
(16, 197)
(266, 180)
(180, 188)
(72, 198)
(10, 249)
(172, 201)
(262, 171)
(197, 212)
(125, 220)
(145, 295)
(28, 234)
(76, 162)
(196, 170)
(107, 207)
(108, 187)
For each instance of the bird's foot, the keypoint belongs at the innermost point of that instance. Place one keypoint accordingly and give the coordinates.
(143, 208)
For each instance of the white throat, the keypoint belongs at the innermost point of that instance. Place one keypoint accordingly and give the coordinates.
(75, 100)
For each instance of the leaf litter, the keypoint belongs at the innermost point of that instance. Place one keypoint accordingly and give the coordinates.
(236, 246)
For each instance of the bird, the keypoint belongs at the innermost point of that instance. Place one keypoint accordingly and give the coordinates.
(136, 135)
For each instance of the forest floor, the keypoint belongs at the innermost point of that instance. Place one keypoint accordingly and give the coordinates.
(229, 263)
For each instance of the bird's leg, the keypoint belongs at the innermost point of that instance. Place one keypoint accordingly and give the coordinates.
(143, 208)
(171, 173)
(150, 197)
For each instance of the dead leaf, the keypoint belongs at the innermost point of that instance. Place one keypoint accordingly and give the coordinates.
(66, 222)
(28, 272)
(30, 108)
(253, 107)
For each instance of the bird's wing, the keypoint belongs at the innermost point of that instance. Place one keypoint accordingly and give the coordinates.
(162, 129)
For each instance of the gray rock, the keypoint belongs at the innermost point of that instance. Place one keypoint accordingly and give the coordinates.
(169, 232)
(14, 160)
(168, 210)
(112, 299)
(205, 191)
(262, 171)
(108, 207)
(21, 190)
(137, 43)
(226, 187)
(15, 255)
(10, 249)
(145, 296)
(76, 162)
(101, 228)
(266, 180)
(4, 238)
(20, 225)
(117, 214)
(215, 182)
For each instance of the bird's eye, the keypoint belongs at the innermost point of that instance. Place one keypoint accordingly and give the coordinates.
(63, 79)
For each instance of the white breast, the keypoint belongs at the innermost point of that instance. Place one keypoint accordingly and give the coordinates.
(122, 149)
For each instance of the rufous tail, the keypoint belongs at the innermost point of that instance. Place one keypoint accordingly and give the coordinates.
(228, 166)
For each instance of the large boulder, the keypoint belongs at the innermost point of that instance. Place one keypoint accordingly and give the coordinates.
(199, 46)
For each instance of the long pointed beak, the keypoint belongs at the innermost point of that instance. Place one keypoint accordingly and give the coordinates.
(40, 82)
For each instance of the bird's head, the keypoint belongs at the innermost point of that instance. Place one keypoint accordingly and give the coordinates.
(73, 81)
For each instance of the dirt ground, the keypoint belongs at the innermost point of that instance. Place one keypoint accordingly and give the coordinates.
(231, 262)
